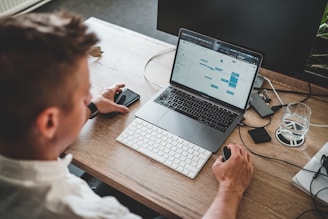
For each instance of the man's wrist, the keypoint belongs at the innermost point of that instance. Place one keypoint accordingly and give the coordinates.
(230, 190)
(94, 110)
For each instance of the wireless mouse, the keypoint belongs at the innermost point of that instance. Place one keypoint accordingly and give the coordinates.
(226, 153)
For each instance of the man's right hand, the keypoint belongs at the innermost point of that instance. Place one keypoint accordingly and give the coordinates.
(236, 173)
(234, 177)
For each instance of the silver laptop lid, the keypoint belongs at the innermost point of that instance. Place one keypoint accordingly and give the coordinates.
(217, 70)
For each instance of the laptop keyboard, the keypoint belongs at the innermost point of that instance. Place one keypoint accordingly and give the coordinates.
(198, 109)
(164, 147)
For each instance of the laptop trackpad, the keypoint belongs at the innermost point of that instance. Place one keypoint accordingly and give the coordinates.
(181, 125)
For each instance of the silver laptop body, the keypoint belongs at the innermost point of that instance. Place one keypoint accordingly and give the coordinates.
(212, 74)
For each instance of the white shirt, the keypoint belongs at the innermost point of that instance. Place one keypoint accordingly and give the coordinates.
(46, 190)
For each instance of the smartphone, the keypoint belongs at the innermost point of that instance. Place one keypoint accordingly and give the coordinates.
(126, 98)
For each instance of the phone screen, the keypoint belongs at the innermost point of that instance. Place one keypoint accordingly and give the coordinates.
(126, 98)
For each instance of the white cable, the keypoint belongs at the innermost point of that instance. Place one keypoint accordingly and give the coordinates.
(274, 90)
(317, 125)
(153, 57)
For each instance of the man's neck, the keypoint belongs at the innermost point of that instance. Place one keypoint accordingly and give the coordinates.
(25, 152)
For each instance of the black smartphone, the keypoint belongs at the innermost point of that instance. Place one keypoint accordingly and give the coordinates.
(126, 98)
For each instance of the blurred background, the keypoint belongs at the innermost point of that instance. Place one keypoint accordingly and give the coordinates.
(137, 15)
(141, 16)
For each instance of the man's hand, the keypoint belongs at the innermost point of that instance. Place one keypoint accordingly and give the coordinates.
(105, 100)
(234, 176)
(236, 173)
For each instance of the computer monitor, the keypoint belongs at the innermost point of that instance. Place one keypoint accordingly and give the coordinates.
(282, 30)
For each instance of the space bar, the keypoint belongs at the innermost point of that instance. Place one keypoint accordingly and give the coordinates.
(151, 155)
(187, 114)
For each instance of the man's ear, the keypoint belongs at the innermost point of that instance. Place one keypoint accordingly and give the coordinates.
(47, 122)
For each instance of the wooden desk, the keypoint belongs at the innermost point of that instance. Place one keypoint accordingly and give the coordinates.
(271, 194)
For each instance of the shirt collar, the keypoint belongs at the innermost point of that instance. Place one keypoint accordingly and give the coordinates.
(33, 169)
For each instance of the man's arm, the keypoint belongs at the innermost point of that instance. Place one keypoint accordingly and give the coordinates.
(234, 177)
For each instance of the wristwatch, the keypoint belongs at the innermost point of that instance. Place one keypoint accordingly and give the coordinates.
(94, 110)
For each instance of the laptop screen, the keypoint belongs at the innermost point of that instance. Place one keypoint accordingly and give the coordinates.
(215, 69)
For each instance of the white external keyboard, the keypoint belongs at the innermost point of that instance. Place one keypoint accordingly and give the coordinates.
(164, 147)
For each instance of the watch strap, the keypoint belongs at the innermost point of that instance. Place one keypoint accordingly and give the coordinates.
(94, 110)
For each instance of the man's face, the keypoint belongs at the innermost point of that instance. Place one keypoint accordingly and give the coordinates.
(71, 123)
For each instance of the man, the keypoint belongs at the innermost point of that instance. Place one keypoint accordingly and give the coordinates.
(45, 101)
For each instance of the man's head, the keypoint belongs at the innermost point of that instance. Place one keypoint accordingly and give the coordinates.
(40, 61)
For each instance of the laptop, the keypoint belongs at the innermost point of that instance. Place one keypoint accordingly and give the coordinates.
(208, 75)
